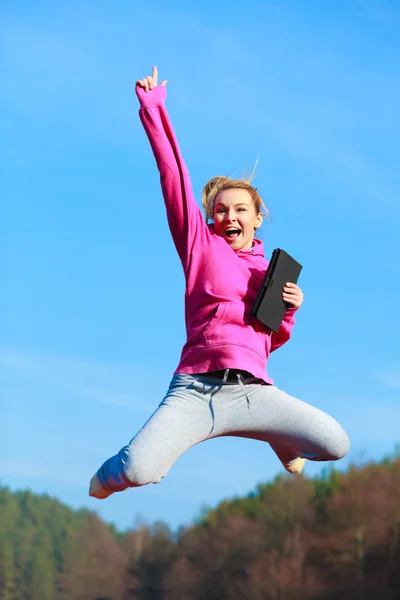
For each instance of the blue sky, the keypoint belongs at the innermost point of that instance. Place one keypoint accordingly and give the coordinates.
(86, 350)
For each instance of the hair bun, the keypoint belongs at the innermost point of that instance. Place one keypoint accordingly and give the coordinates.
(214, 183)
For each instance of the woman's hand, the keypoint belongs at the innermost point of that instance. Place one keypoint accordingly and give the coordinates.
(293, 295)
(150, 82)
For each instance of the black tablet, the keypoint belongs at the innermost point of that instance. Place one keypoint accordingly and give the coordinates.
(269, 307)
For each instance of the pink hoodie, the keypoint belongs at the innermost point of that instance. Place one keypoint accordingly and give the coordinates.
(221, 283)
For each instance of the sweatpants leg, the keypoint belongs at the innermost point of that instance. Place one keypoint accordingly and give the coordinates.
(292, 427)
(197, 408)
(285, 454)
(185, 417)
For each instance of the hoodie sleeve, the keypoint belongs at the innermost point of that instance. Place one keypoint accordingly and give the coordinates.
(185, 220)
(285, 330)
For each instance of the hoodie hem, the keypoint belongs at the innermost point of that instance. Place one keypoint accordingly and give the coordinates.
(223, 356)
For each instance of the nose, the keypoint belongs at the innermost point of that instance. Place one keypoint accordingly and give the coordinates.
(230, 215)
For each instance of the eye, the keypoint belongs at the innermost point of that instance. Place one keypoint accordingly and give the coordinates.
(241, 209)
(220, 210)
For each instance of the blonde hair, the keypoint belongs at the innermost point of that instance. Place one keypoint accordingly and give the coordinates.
(219, 184)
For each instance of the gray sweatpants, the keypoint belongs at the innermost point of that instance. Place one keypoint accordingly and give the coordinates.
(197, 408)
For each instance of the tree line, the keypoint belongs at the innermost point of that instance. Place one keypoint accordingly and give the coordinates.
(335, 536)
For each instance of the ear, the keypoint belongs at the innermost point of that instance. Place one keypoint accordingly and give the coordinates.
(258, 221)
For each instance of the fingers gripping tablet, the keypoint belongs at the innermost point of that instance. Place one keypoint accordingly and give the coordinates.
(269, 306)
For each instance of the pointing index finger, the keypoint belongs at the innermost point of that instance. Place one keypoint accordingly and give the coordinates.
(155, 75)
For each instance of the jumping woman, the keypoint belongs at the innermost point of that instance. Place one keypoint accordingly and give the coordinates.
(221, 386)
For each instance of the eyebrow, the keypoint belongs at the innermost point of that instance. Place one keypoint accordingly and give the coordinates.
(238, 204)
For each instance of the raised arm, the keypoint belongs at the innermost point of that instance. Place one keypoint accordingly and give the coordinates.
(184, 217)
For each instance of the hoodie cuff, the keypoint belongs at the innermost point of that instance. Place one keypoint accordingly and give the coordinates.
(290, 314)
(154, 97)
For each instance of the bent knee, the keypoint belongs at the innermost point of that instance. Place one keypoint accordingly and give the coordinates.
(339, 444)
(138, 471)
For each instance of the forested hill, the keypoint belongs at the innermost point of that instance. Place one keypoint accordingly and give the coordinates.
(333, 537)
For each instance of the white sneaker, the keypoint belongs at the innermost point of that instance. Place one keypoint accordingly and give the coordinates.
(96, 490)
(295, 466)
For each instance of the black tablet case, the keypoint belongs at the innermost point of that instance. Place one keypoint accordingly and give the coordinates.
(269, 307)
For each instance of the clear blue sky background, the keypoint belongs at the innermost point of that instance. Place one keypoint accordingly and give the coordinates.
(86, 350)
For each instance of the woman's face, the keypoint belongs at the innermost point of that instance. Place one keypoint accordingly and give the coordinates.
(235, 218)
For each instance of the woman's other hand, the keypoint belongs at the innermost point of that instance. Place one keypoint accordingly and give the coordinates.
(150, 82)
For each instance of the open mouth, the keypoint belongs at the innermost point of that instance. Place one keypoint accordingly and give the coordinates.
(232, 233)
